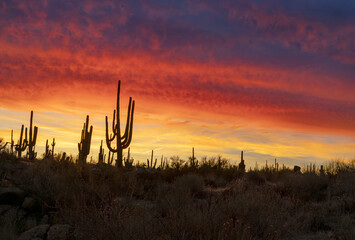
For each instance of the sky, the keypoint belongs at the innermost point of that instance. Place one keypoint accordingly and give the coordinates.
(275, 79)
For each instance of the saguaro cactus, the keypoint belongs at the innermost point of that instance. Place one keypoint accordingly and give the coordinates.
(84, 145)
(193, 160)
(48, 151)
(22, 143)
(128, 162)
(152, 163)
(122, 142)
(53, 144)
(163, 162)
(241, 164)
(12, 143)
(101, 154)
(32, 139)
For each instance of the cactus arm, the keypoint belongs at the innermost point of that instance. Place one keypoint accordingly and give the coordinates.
(128, 120)
(113, 122)
(108, 139)
(129, 139)
(35, 135)
(113, 126)
(23, 144)
(18, 147)
(155, 163)
(90, 137)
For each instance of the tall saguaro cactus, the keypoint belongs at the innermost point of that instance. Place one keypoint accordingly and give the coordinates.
(84, 145)
(32, 139)
(122, 142)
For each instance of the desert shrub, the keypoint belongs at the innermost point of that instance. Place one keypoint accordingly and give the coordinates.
(190, 183)
(306, 187)
(255, 177)
(214, 180)
(64, 182)
(176, 162)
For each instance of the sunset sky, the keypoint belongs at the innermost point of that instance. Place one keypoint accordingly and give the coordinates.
(273, 78)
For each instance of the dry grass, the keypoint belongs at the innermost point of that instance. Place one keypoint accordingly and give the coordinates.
(209, 202)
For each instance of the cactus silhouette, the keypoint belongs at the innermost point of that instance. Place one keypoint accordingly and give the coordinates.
(12, 143)
(22, 143)
(48, 151)
(128, 162)
(110, 158)
(152, 163)
(53, 144)
(32, 139)
(101, 154)
(241, 165)
(193, 160)
(163, 162)
(25, 142)
(122, 142)
(84, 145)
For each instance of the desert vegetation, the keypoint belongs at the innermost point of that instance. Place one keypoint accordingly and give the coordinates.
(174, 198)
(214, 200)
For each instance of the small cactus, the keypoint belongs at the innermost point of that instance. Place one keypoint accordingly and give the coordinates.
(321, 171)
(85, 142)
(193, 161)
(241, 164)
(53, 144)
(12, 143)
(162, 162)
(48, 151)
(152, 164)
(276, 166)
(128, 162)
(101, 154)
